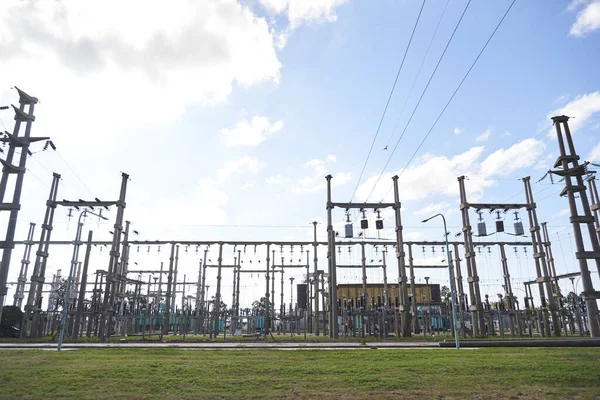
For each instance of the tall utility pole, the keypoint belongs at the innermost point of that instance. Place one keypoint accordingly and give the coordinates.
(460, 291)
(34, 298)
(198, 299)
(415, 320)
(541, 264)
(111, 278)
(18, 298)
(403, 289)
(595, 206)
(14, 205)
(80, 301)
(476, 308)
(552, 268)
(168, 298)
(568, 164)
(316, 279)
(217, 306)
(267, 322)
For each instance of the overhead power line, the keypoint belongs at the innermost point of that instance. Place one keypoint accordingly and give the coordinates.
(457, 88)
(412, 86)
(389, 99)
(420, 99)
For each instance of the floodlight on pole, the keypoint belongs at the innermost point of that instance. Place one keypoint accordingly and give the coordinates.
(451, 274)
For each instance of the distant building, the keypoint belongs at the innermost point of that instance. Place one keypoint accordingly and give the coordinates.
(424, 293)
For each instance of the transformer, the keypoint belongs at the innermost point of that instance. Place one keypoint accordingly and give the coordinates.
(519, 228)
(349, 231)
(499, 226)
(481, 229)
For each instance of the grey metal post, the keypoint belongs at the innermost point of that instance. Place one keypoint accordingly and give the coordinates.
(316, 279)
(34, 299)
(217, 307)
(333, 321)
(203, 293)
(81, 300)
(595, 203)
(234, 283)
(385, 295)
(174, 292)
(14, 206)
(508, 289)
(461, 295)
(282, 304)
(237, 288)
(267, 322)
(18, 298)
(273, 288)
(478, 320)
(93, 308)
(307, 294)
(577, 171)
(364, 287)
(413, 289)
(552, 267)
(111, 279)
(168, 305)
(402, 281)
(543, 280)
(198, 299)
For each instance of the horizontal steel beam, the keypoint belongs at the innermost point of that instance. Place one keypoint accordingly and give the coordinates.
(362, 205)
(491, 206)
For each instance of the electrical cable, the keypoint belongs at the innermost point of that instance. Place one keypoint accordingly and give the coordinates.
(389, 99)
(420, 98)
(418, 73)
(455, 91)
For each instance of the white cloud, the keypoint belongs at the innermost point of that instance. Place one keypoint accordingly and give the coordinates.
(563, 212)
(588, 19)
(485, 135)
(251, 133)
(457, 131)
(580, 108)
(594, 154)
(244, 164)
(183, 208)
(505, 161)
(433, 175)
(432, 208)
(274, 180)
(136, 63)
(303, 11)
(413, 236)
(316, 181)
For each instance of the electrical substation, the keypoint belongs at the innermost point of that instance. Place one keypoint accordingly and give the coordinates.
(353, 284)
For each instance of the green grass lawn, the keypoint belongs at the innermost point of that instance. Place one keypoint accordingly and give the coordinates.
(300, 374)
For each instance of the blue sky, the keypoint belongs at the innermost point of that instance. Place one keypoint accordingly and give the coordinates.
(232, 112)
